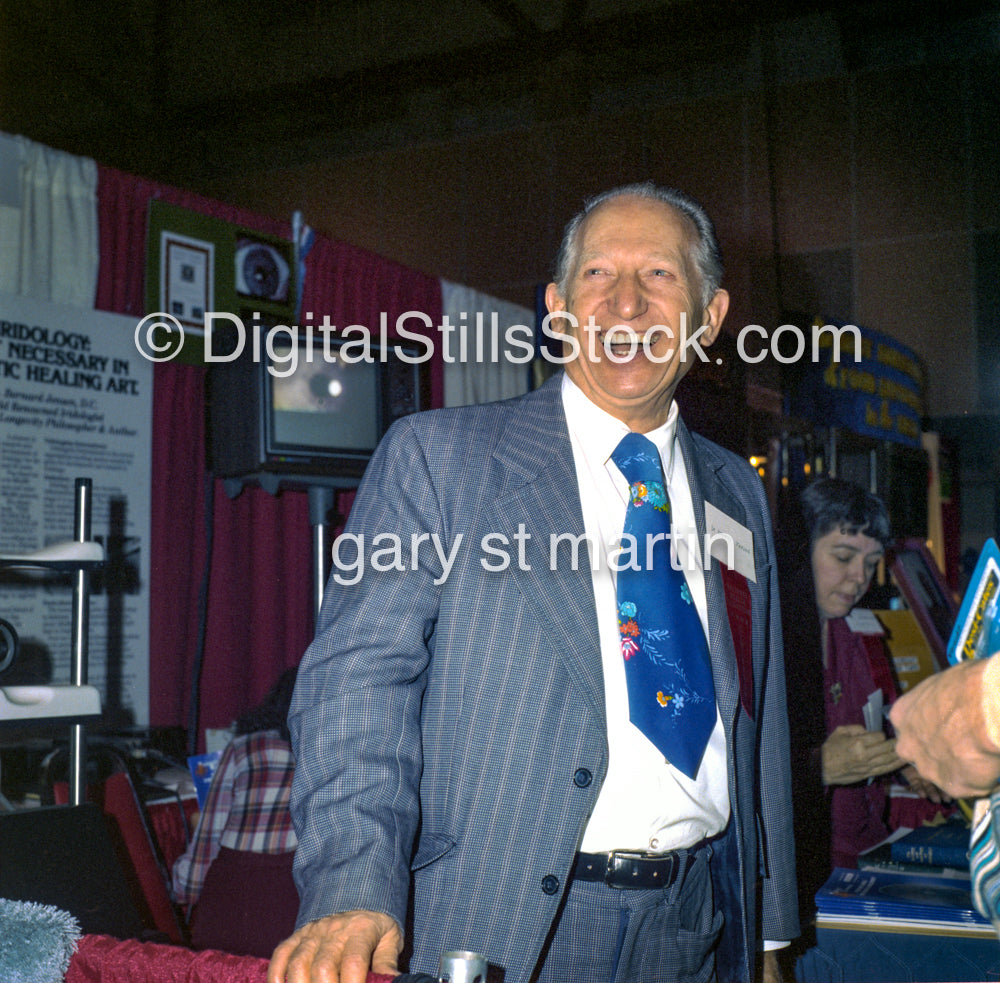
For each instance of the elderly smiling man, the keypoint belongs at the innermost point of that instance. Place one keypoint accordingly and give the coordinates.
(579, 770)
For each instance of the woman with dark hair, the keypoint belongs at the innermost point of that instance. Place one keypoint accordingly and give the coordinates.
(236, 873)
(840, 768)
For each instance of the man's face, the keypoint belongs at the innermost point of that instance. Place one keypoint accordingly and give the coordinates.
(634, 278)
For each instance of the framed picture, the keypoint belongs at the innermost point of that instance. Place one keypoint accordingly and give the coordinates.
(187, 278)
(922, 585)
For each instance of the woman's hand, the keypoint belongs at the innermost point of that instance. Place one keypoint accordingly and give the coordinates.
(923, 787)
(852, 754)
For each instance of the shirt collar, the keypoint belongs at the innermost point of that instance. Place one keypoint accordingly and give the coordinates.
(597, 432)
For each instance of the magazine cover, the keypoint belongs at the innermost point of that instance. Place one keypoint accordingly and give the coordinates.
(873, 894)
(977, 628)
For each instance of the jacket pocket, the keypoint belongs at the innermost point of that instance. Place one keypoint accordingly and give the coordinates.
(431, 848)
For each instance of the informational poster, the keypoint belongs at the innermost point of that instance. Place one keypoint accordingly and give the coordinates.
(76, 402)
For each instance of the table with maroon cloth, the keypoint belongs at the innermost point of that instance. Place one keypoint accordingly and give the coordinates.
(103, 959)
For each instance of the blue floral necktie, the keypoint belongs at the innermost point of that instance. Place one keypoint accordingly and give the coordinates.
(671, 698)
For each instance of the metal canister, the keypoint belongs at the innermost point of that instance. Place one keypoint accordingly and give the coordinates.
(459, 966)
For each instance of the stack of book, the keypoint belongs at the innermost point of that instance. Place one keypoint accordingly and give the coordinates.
(889, 901)
(941, 851)
(917, 880)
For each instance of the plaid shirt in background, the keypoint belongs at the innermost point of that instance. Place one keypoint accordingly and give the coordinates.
(246, 809)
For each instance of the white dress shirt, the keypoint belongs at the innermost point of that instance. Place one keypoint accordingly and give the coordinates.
(645, 803)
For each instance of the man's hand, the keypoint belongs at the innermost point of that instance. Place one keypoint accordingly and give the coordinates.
(771, 968)
(852, 754)
(340, 948)
(942, 726)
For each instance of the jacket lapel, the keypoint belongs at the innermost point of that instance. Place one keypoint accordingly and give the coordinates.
(540, 499)
(704, 468)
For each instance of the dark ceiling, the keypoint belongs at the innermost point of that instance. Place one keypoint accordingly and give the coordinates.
(189, 90)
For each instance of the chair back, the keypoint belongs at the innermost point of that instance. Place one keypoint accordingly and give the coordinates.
(130, 831)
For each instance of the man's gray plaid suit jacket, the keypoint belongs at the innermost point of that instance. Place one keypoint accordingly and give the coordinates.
(449, 725)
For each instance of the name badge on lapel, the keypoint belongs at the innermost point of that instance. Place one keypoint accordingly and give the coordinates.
(731, 543)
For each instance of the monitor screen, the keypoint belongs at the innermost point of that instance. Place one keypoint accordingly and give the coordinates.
(327, 400)
(328, 403)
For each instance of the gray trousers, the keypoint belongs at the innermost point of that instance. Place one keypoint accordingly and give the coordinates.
(609, 935)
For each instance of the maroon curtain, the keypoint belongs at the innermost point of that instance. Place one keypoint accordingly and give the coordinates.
(355, 286)
(259, 607)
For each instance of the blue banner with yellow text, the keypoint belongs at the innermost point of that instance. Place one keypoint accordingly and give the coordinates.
(880, 394)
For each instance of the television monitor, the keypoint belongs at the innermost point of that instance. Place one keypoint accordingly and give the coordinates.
(306, 407)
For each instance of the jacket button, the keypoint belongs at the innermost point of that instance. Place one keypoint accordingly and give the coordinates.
(582, 777)
(550, 884)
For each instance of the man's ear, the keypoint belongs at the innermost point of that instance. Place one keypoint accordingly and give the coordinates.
(552, 299)
(715, 314)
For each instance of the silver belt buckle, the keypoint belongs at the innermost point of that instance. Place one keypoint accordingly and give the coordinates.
(617, 859)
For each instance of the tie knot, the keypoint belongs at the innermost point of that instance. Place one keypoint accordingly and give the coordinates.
(638, 459)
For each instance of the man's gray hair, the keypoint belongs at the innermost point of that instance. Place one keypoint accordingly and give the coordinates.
(704, 251)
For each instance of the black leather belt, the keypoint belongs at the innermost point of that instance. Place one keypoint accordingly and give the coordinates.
(625, 869)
